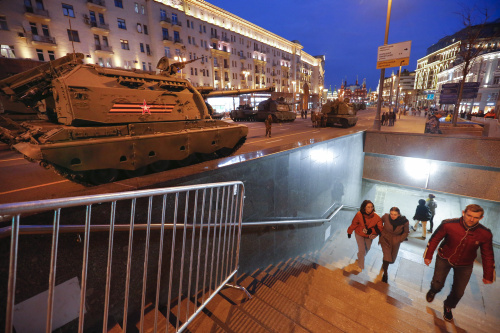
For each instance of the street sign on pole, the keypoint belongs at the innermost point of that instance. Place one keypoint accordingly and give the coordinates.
(393, 55)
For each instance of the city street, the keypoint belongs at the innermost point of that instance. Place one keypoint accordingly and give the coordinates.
(25, 181)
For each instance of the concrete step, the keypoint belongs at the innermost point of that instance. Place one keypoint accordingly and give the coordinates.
(226, 314)
(465, 314)
(295, 312)
(414, 304)
(265, 314)
(375, 313)
(340, 314)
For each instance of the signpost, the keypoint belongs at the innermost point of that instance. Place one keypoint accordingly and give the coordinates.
(393, 55)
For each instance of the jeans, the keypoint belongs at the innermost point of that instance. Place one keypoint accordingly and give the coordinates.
(431, 222)
(461, 276)
(364, 245)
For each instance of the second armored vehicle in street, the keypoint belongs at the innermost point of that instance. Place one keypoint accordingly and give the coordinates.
(277, 108)
(340, 113)
(243, 113)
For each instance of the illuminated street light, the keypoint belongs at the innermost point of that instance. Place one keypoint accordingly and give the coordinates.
(376, 122)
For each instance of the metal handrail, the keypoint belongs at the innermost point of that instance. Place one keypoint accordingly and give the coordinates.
(48, 229)
(284, 222)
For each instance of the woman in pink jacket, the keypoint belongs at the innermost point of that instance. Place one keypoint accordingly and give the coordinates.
(366, 225)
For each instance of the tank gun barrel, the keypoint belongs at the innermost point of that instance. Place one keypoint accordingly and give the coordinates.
(21, 85)
(209, 92)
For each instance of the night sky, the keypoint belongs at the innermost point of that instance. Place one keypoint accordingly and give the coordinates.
(349, 32)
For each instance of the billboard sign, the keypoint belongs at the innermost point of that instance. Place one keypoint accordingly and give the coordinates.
(449, 92)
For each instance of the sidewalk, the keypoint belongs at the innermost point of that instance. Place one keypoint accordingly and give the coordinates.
(408, 123)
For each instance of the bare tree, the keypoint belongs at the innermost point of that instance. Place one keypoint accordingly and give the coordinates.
(474, 41)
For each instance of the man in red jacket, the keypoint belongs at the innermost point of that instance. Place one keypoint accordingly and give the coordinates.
(462, 237)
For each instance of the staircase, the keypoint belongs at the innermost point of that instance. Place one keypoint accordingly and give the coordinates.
(318, 292)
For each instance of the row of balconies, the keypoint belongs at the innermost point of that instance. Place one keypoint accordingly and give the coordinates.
(43, 39)
(101, 3)
(32, 11)
(167, 20)
(103, 26)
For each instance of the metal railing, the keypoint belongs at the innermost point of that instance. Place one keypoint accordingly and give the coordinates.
(212, 213)
(329, 217)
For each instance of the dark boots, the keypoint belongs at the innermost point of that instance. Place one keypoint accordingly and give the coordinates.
(385, 266)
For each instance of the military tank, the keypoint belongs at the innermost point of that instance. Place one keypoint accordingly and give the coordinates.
(340, 113)
(243, 112)
(101, 124)
(277, 108)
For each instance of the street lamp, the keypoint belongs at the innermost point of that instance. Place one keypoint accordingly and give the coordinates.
(320, 96)
(376, 122)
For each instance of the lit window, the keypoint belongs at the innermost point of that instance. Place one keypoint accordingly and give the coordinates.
(143, 10)
(124, 44)
(68, 10)
(136, 7)
(7, 51)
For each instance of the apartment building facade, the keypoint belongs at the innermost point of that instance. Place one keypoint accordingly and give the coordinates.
(232, 53)
(486, 71)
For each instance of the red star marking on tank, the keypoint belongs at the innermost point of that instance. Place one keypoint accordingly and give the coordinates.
(145, 108)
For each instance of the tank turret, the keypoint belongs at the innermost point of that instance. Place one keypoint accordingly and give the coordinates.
(102, 123)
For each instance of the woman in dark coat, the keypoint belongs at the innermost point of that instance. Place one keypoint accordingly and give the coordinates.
(422, 214)
(394, 232)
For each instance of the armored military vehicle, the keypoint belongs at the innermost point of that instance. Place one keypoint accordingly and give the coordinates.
(338, 112)
(243, 113)
(102, 123)
(277, 108)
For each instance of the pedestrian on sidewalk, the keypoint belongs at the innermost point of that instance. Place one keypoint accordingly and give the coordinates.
(366, 225)
(394, 231)
(269, 124)
(431, 203)
(422, 215)
(461, 239)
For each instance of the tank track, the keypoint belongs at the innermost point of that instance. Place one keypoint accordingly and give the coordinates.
(83, 178)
